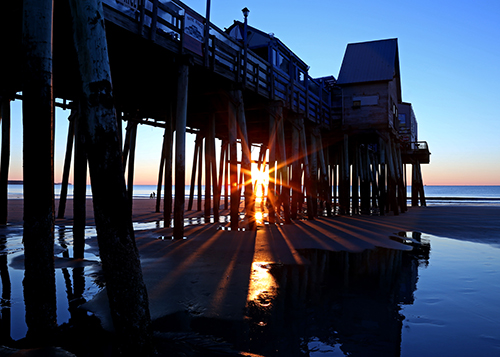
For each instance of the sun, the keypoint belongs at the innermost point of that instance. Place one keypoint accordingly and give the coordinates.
(260, 179)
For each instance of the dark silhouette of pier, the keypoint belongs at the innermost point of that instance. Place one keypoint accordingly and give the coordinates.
(327, 148)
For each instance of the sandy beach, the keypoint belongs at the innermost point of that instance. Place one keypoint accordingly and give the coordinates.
(479, 223)
(210, 274)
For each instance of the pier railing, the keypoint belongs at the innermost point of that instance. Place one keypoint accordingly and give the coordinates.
(417, 150)
(178, 28)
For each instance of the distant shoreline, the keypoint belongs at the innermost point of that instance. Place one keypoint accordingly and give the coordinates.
(15, 182)
(20, 182)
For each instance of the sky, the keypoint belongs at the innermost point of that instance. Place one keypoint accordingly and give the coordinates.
(449, 56)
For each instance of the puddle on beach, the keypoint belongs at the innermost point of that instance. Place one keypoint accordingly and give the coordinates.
(439, 299)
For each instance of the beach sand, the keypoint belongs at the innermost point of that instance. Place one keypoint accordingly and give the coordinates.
(466, 222)
(208, 274)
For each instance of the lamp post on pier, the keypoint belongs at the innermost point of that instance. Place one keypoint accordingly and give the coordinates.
(245, 45)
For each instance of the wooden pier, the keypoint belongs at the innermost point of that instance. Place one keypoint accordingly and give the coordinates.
(329, 146)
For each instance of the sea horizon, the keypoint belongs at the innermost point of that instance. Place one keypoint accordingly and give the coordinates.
(435, 194)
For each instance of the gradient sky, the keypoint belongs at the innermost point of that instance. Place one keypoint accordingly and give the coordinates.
(450, 71)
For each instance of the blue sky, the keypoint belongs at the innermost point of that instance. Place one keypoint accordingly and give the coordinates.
(450, 71)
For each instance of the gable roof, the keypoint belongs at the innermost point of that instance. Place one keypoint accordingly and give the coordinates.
(370, 61)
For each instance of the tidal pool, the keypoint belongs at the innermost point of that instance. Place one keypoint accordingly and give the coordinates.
(441, 299)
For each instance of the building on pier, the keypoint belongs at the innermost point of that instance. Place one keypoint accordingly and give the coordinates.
(378, 125)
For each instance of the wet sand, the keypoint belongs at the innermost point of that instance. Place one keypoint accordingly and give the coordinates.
(208, 274)
(210, 277)
(466, 222)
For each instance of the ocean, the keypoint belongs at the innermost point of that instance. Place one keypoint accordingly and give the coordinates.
(435, 195)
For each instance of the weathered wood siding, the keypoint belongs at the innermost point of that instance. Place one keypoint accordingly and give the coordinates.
(370, 105)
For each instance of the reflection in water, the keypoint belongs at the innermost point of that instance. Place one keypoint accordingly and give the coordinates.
(5, 317)
(340, 302)
(74, 283)
(263, 286)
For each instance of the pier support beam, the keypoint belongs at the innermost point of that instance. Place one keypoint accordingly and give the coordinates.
(233, 166)
(307, 171)
(355, 180)
(180, 150)
(5, 158)
(125, 287)
(246, 160)
(67, 163)
(283, 163)
(344, 179)
(79, 188)
(167, 194)
(313, 164)
(213, 171)
(38, 171)
(296, 172)
(132, 137)
(271, 190)
(323, 180)
(197, 148)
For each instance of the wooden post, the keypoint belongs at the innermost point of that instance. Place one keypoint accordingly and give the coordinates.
(5, 158)
(38, 171)
(126, 290)
(324, 182)
(79, 189)
(401, 184)
(167, 196)
(208, 177)
(160, 175)
(283, 165)
(344, 184)
(355, 179)
(131, 163)
(382, 177)
(392, 178)
(222, 165)
(373, 164)
(180, 150)
(307, 172)
(296, 174)
(197, 145)
(271, 190)
(365, 181)
(200, 170)
(335, 186)
(313, 162)
(226, 177)
(421, 186)
(246, 160)
(126, 144)
(213, 160)
(235, 198)
(414, 185)
(67, 163)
